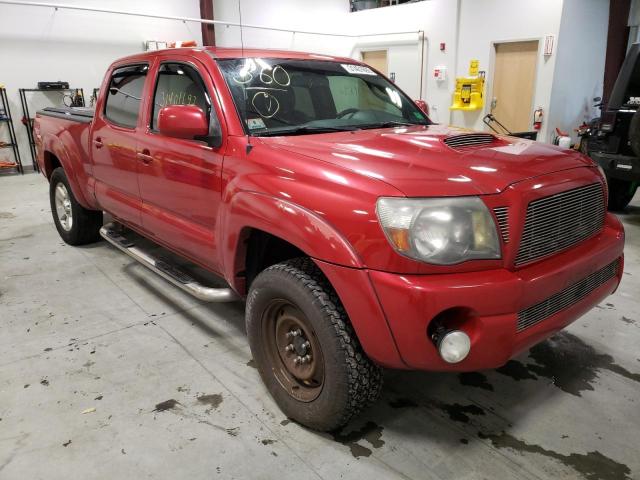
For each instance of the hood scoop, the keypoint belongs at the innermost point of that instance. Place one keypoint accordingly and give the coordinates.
(471, 140)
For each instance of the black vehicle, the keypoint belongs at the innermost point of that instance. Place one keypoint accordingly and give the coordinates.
(613, 140)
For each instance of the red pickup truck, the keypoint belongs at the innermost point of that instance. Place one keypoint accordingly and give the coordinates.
(361, 234)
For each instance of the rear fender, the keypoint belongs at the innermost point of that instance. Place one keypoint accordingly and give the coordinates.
(72, 163)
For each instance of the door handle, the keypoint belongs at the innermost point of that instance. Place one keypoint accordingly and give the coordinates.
(145, 156)
(98, 142)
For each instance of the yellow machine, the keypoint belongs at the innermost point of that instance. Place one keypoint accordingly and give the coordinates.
(468, 94)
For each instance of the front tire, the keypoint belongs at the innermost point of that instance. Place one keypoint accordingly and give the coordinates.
(621, 192)
(305, 348)
(75, 224)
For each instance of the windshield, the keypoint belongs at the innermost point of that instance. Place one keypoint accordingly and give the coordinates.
(294, 97)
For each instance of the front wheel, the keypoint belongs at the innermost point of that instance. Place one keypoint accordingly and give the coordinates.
(75, 224)
(305, 348)
(621, 192)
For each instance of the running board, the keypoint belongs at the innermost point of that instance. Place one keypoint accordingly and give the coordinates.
(112, 234)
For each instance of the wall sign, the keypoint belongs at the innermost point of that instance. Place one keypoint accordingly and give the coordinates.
(548, 45)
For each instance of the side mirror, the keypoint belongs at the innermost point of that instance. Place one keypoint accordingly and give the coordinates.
(422, 105)
(183, 121)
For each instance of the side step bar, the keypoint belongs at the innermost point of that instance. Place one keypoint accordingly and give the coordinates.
(180, 279)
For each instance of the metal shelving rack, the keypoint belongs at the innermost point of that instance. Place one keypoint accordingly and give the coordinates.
(12, 143)
(27, 120)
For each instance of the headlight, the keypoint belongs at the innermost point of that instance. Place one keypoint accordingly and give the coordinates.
(441, 231)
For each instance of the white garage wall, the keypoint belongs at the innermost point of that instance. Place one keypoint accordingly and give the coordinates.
(580, 63)
(41, 44)
(437, 18)
(484, 22)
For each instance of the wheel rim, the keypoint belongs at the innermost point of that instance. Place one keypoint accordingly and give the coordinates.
(63, 207)
(293, 350)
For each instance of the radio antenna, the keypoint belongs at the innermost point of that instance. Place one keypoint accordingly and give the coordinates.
(249, 146)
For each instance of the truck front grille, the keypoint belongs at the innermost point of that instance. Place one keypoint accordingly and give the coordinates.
(502, 215)
(556, 222)
(567, 297)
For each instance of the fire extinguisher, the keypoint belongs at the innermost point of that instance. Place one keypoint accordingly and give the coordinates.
(537, 118)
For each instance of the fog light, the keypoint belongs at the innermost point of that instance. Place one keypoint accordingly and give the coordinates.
(454, 346)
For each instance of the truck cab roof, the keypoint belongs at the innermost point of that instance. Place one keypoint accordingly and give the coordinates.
(234, 52)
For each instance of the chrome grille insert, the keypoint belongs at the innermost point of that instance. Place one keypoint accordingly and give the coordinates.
(467, 140)
(502, 215)
(566, 298)
(556, 222)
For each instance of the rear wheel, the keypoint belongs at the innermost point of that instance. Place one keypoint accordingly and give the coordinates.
(621, 192)
(305, 348)
(75, 224)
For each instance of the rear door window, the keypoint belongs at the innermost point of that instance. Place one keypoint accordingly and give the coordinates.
(124, 97)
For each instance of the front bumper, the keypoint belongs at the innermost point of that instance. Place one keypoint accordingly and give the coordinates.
(491, 301)
(622, 167)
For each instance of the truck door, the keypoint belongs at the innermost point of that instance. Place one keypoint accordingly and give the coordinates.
(114, 141)
(180, 179)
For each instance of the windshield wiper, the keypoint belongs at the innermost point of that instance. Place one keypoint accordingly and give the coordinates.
(302, 130)
(389, 124)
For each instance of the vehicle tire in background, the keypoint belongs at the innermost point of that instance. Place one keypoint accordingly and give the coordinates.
(620, 193)
(75, 224)
(305, 348)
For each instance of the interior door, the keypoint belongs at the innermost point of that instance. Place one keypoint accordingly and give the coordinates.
(377, 59)
(513, 83)
(113, 144)
(179, 178)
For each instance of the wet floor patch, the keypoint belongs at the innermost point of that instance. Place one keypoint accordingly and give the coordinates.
(460, 413)
(591, 465)
(516, 370)
(570, 363)
(166, 405)
(475, 379)
(402, 403)
(371, 432)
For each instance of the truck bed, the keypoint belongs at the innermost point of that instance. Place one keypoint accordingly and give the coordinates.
(75, 114)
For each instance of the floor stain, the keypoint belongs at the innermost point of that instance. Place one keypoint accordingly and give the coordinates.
(251, 363)
(402, 403)
(370, 432)
(7, 215)
(213, 400)
(285, 422)
(44, 382)
(571, 364)
(475, 379)
(516, 370)
(592, 465)
(166, 405)
(628, 321)
(268, 441)
(67, 443)
(460, 413)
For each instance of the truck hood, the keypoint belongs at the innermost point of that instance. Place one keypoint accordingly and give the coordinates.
(418, 161)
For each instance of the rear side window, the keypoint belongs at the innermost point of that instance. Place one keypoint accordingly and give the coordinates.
(125, 95)
(179, 84)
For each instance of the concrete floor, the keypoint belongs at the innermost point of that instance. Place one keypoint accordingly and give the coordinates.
(107, 371)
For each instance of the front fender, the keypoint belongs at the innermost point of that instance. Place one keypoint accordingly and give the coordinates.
(333, 254)
(297, 225)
